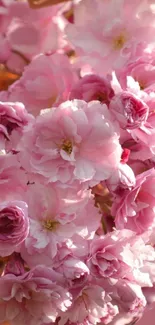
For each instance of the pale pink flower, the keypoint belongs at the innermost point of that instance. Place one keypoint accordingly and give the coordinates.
(78, 246)
(110, 36)
(45, 82)
(30, 30)
(74, 271)
(91, 306)
(92, 87)
(135, 208)
(74, 141)
(26, 33)
(56, 214)
(32, 298)
(142, 70)
(14, 225)
(121, 178)
(120, 254)
(130, 298)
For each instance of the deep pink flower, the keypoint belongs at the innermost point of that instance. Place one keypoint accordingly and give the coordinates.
(14, 225)
(92, 87)
(129, 110)
(13, 117)
(74, 141)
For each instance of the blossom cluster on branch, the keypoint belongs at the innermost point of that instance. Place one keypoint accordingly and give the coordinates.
(77, 162)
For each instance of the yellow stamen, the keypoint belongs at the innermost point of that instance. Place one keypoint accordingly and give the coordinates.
(50, 224)
(119, 42)
(67, 146)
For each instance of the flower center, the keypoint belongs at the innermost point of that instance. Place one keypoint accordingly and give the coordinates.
(101, 96)
(6, 225)
(50, 224)
(67, 146)
(119, 42)
(141, 85)
(82, 297)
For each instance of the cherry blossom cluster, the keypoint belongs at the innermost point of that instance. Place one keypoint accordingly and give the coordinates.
(77, 162)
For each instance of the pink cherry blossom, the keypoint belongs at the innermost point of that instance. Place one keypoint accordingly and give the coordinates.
(122, 178)
(120, 254)
(32, 298)
(91, 306)
(112, 38)
(13, 118)
(29, 30)
(131, 298)
(77, 211)
(26, 33)
(144, 137)
(131, 302)
(129, 110)
(139, 140)
(14, 225)
(135, 208)
(54, 219)
(74, 270)
(66, 143)
(142, 70)
(46, 81)
(92, 87)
